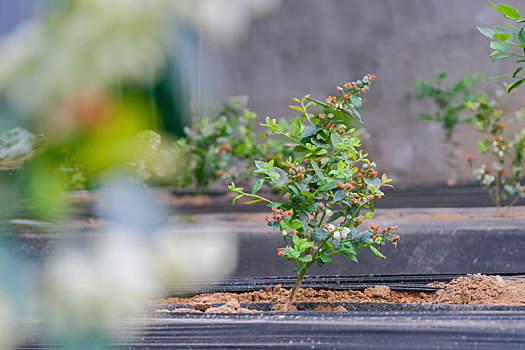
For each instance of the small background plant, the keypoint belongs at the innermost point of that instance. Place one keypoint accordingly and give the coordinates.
(222, 149)
(503, 178)
(329, 187)
(450, 102)
(509, 43)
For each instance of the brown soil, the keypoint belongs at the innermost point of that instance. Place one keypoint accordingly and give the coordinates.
(472, 290)
(393, 215)
(447, 216)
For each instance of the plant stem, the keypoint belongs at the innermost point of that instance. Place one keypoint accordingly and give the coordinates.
(291, 138)
(510, 205)
(497, 195)
(453, 171)
(257, 196)
(295, 288)
(300, 277)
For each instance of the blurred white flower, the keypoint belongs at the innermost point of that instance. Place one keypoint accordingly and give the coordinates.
(193, 253)
(226, 20)
(487, 180)
(99, 44)
(91, 289)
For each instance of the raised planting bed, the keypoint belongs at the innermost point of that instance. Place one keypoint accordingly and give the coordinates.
(187, 202)
(430, 292)
(437, 240)
(199, 323)
(330, 330)
(398, 330)
(360, 325)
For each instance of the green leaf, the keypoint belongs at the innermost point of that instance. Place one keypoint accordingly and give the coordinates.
(335, 138)
(336, 216)
(310, 207)
(317, 143)
(501, 36)
(371, 206)
(356, 101)
(236, 198)
(328, 186)
(339, 195)
(283, 178)
(296, 108)
(257, 186)
(324, 258)
(500, 76)
(318, 171)
(309, 131)
(365, 237)
(486, 31)
(374, 181)
(296, 224)
(500, 30)
(304, 244)
(507, 10)
(319, 234)
(515, 85)
(348, 249)
(499, 45)
(296, 241)
(296, 192)
(377, 252)
(483, 146)
(516, 71)
(337, 114)
(305, 258)
(260, 164)
(274, 204)
(499, 57)
(298, 126)
(307, 194)
(521, 35)
(356, 114)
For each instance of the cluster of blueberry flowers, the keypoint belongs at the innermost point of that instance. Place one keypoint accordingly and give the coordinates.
(278, 215)
(296, 172)
(499, 146)
(351, 88)
(341, 128)
(483, 175)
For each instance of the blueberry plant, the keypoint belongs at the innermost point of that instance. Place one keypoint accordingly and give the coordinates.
(450, 102)
(216, 146)
(329, 187)
(502, 180)
(222, 148)
(509, 43)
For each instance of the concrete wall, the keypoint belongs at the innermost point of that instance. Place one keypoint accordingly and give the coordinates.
(310, 46)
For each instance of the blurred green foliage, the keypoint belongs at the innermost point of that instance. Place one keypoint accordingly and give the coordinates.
(509, 43)
(222, 148)
(450, 109)
(450, 100)
(503, 178)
